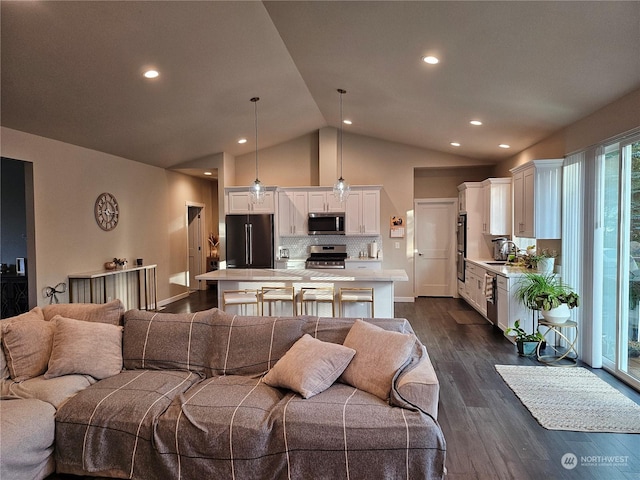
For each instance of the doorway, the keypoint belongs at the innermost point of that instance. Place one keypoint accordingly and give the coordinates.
(434, 259)
(18, 291)
(195, 260)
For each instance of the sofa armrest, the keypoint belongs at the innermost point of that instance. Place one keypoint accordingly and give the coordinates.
(420, 385)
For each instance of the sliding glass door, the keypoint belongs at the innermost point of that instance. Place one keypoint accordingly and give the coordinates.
(619, 168)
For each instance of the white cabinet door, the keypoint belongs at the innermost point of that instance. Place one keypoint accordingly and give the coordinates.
(503, 302)
(496, 208)
(537, 190)
(362, 213)
(353, 214)
(528, 203)
(371, 212)
(292, 214)
(322, 201)
(240, 202)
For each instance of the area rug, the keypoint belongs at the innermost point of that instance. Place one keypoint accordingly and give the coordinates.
(467, 317)
(572, 399)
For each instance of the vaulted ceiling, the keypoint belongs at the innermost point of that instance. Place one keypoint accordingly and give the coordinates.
(72, 71)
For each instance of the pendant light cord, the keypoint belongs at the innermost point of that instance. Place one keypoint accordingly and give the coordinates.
(341, 92)
(255, 109)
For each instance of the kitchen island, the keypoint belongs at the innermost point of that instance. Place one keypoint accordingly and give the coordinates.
(382, 282)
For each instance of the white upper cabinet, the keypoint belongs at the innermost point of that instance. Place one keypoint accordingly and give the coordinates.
(321, 201)
(537, 199)
(496, 206)
(239, 202)
(362, 214)
(292, 213)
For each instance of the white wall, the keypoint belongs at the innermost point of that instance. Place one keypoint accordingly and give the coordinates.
(67, 181)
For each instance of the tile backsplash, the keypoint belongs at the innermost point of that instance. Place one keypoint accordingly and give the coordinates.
(299, 246)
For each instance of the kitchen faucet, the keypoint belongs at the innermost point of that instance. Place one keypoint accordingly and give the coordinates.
(505, 250)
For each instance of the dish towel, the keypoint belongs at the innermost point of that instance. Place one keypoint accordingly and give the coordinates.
(488, 286)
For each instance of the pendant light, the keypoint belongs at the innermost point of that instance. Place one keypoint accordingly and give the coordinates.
(257, 191)
(341, 188)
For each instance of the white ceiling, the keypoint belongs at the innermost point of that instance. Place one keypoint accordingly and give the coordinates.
(72, 71)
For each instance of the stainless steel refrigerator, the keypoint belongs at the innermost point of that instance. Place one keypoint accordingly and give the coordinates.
(249, 241)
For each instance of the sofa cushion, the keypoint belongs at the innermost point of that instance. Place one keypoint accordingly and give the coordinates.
(107, 428)
(34, 313)
(251, 345)
(379, 355)
(173, 341)
(87, 348)
(310, 366)
(110, 312)
(28, 433)
(54, 391)
(26, 341)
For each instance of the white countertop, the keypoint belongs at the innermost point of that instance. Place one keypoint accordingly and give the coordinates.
(337, 275)
(504, 270)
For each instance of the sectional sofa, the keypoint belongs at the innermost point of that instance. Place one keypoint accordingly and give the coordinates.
(92, 390)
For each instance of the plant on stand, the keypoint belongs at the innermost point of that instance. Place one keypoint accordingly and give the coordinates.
(526, 342)
(547, 293)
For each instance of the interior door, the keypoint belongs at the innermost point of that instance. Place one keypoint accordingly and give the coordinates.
(434, 260)
(194, 226)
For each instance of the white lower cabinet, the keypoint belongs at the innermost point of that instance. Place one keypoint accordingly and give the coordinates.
(503, 302)
(363, 264)
(474, 288)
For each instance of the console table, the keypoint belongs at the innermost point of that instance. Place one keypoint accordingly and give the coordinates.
(145, 286)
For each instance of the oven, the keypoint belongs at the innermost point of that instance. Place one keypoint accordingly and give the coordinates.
(326, 257)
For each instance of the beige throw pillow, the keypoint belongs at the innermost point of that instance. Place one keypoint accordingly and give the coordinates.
(379, 355)
(310, 366)
(26, 343)
(87, 348)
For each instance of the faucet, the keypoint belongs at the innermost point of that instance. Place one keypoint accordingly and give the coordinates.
(505, 250)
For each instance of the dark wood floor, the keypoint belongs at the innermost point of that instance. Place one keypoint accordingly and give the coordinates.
(489, 433)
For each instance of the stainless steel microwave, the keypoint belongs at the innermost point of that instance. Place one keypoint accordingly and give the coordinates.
(326, 224)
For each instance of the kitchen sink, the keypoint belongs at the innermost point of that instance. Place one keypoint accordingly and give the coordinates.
(496, 262)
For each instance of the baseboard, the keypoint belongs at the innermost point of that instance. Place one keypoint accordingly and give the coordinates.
(404, 299)
(167, 301)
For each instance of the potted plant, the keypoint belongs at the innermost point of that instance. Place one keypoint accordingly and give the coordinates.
(526, 342)
(547, 293)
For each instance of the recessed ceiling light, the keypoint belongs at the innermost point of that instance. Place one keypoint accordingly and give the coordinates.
(430, 59)
(504, 145)
(455, 144)
(151, 74)
(475, 122)
(242, 140)
(347, 122)
(208, 173)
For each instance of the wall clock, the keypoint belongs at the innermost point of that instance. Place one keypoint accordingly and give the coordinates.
(106, 211)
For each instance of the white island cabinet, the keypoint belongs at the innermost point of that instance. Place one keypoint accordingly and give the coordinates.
(382, 282)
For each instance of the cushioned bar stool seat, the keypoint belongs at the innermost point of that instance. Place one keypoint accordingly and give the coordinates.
(241, 298)
(317, 295)
(277, 294)
(355, 295)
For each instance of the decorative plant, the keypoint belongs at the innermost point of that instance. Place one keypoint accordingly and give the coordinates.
(531, 259)
(121, 262)
(539, 291)
(521, 335)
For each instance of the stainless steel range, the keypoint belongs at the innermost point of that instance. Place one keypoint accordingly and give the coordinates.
(326, 256)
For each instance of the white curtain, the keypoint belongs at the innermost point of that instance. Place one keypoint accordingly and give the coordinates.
(573, 239)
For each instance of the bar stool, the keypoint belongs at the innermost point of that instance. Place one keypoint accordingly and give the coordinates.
(240, 298)
(278, 294)
(355, 295)
(317, 295)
